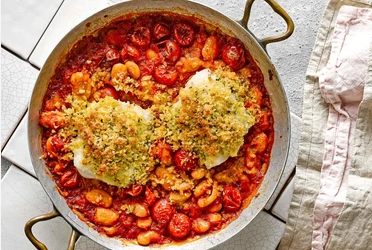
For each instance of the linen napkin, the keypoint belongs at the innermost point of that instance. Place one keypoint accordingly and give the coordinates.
(332, 202)
(341, 83)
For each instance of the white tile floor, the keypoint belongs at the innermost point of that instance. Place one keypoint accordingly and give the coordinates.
(17, 148)
(68, 16)
(23, 23)
(281, 206)
(18, 79)
(22, 197)
(24, 27)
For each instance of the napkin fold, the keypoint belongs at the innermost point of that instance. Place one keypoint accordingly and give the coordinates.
(341, 84)
(332, 201)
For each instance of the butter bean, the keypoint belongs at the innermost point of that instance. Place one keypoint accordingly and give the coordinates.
(133, 69)
(105, 216)
(99, 197)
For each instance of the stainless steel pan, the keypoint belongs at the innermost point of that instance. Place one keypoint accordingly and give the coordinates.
(239, 29)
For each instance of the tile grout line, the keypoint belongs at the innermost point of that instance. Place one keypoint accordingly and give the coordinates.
(15, 128)
(18, 167)
(273, 215)
(19, 57)
(291, 176)
(13, 53)
(37, 43)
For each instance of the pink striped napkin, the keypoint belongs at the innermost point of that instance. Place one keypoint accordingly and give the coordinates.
(341, 83)
(331, 206)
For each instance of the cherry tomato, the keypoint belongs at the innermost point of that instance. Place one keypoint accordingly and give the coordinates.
(184, 34)
(264, 121)
(127, 220)
(52, 119)
(184, 160)
(166, 74)
(233, 55)
(162, 211)
(97, 57)
(135, 190)
(149, 197)
(129, 52)
(108, 91)
(79, 201)
(146, 68)
(179, 226)
(112, 56)
(245, 185)
(54, 145)
(160, 31)
(141, 36)
(116, 37)
(232, 199)
(201, 36)
(70, 178)
(170, 50)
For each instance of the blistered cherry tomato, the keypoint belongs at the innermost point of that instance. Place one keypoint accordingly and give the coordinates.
(162, 211)
(232, 199)
(116, 37)
(184, 34)
(141, 36)
(146, 67)
(264, 121)
(127, 220)
(160, 31)
(184, 160)
(166, 74)
(54, 145)
(149, 197)
(245, 185)
(129, 52)
(112, 56)
(170, 50)
(179, 226)
(135, 190)
(108, 91)
(233, 55)
(70, 178)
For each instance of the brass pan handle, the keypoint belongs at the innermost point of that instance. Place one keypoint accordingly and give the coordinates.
(278, 9)
(40, 246)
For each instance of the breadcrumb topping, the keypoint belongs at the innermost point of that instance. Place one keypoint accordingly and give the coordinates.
(115, 138)
(208, 118)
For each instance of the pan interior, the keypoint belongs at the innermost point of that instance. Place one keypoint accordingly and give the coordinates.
(228, 26)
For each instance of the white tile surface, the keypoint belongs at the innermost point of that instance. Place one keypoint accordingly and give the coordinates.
(23, 23)
(22, 198)
(292, 157)
(17, 81)
(281, 207)
(17, 150)
(68, 16)
(264, 232)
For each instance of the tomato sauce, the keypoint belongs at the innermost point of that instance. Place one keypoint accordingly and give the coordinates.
(158, 43)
